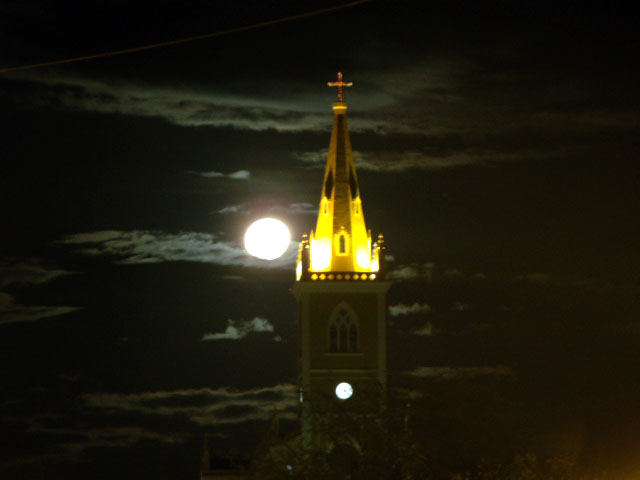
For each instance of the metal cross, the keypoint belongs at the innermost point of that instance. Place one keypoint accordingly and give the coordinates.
(340, 84)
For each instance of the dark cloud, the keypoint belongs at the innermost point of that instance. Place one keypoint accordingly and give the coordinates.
(460, 307)
(445, 152)
(27, 271)
(437, 98)
(237, 411)
(11, 312)
(302, 208)
(427, 330)
(535, 277)
(238, 175)
(21, 272)
(226, 406)
(472, 99)
(449, 373)
(73, 444)
(430, 272)
(143, 246)
(183, 399)
(399, 162)
(183, 107)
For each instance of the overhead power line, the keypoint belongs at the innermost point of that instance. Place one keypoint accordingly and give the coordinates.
(183, 40)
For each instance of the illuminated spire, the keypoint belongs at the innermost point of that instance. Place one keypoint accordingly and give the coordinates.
(341, 243)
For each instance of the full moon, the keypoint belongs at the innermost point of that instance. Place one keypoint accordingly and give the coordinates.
(267, 238)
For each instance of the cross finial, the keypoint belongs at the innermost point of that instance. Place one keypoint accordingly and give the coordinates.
(340, 84)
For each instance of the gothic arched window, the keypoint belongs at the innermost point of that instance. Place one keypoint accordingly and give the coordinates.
(333, 338)
(353, 338)
(343, 331)
(342, 339)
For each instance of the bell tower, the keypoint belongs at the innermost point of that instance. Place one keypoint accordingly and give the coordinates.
(341, 292)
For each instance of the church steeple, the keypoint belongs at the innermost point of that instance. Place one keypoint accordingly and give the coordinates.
(341, 296)
(341, 242)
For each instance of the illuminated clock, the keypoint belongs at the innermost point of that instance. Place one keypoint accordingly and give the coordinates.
(344, 391)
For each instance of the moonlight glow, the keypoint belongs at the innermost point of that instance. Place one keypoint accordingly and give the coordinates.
(267, 238)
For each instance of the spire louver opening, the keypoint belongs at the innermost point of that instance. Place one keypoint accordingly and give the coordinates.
(353, 184)
(328, 186)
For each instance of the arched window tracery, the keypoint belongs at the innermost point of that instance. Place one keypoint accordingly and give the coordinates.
(343, 332)
(333, 338)
(353, 338)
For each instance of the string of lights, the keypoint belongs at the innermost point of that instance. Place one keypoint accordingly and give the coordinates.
(184, 40)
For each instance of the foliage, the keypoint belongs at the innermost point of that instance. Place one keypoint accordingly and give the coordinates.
(344, 446)
(400, 441)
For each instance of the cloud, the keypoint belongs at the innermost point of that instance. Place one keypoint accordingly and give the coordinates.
(403, 272)
(399, 162)
(71, 433)
(534, 277)
(237, 329)
(15, 271)
(124, 419)
(407, 393)
(452, 273)
(27, 271)
(73, 441)
(11, 312)
(449, 373)
(438, 98)
(460, 307)
(431, 272)
(232, 277)
(230, 209)
(303, 208)
(204, 406)
(423, 91)
(406, 272)
(185, 107)
(144, 246)
(239, 175)
(426, 330)
(291, 209)
(402, 309)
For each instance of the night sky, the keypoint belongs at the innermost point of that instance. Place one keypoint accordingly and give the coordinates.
(497, 147)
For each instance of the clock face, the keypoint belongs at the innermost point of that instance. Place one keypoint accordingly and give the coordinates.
(344, 391)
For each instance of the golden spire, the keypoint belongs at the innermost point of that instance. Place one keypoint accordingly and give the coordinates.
(341, 243)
